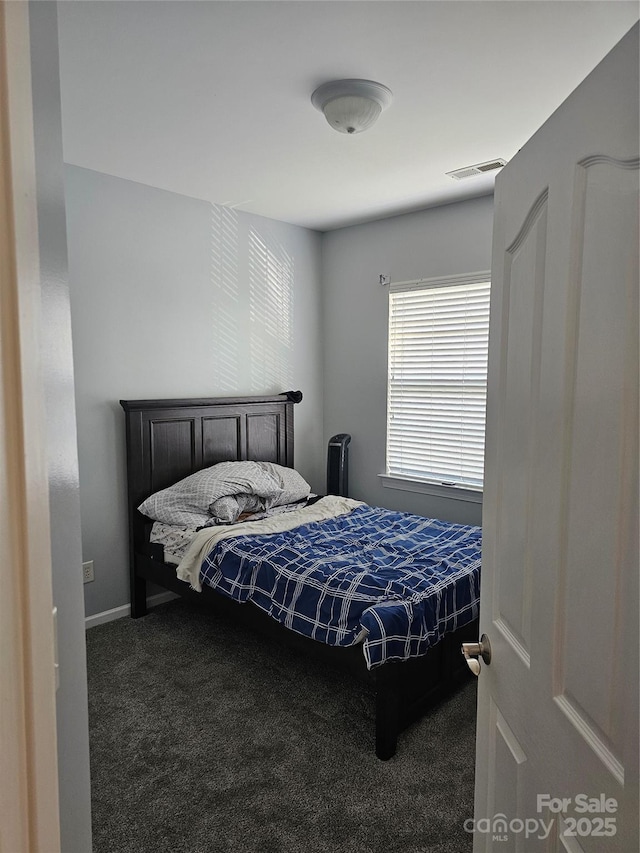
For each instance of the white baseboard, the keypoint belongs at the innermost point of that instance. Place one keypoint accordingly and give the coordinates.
(125, 610)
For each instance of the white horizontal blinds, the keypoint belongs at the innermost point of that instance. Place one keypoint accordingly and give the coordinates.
(438, 339)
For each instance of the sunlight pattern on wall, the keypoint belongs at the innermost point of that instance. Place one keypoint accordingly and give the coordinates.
(271, 270)
(226, 299)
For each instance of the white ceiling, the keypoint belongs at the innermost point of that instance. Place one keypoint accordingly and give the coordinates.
(212, 99)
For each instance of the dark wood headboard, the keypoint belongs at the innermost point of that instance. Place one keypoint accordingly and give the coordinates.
(169, 439)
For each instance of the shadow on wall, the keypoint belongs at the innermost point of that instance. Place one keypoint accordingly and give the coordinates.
(252, 275)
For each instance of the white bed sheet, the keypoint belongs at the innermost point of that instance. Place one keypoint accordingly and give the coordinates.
(174, 539)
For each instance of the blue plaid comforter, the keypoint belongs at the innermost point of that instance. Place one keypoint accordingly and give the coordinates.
(401, 580)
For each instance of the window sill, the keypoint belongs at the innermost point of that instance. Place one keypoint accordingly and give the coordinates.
(426, 487)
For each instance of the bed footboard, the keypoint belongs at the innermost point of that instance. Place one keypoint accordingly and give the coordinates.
(404, 690)
(407, 690)
(387, 710)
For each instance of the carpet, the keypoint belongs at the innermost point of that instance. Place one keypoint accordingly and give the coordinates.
(206, 738)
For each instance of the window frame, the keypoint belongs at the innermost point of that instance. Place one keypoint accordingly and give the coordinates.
(429, 486)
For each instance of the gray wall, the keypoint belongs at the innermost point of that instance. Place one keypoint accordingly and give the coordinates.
(175, 297)
(71, 698)
(445, 240)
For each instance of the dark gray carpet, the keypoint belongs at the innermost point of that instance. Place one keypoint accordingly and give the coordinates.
(205, 738)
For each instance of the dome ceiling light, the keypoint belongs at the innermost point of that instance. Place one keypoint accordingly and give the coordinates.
(351, 106)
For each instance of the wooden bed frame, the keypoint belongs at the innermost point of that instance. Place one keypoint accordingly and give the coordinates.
(170, 439)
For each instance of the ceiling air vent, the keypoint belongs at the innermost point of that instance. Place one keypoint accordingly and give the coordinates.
(478, 169)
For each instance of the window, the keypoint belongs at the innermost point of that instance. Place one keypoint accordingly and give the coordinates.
(436, 400)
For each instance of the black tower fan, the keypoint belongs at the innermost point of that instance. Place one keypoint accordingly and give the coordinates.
(338, 465)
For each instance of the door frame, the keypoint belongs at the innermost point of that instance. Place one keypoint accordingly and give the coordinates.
(29, 805)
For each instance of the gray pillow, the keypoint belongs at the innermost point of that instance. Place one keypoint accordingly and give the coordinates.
(294, 486)
(193, 501)
(226, 510)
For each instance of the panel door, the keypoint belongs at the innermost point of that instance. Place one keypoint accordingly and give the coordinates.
(557, 744)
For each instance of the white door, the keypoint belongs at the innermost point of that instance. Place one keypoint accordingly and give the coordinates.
(557, 743)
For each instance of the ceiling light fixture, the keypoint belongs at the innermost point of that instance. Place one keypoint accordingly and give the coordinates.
(351, 106)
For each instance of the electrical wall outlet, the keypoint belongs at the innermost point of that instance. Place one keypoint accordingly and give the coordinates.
(87, 571)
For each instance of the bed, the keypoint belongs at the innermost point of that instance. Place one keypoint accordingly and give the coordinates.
(168, 440)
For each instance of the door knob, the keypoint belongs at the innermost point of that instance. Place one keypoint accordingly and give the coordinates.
(472, 651)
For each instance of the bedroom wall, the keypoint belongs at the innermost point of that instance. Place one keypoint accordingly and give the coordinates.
(446, 240)
(174, 297)
(62, 455)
